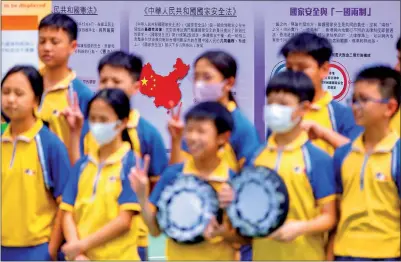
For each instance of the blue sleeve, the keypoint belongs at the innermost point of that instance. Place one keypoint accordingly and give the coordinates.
(396, 166)
(345, 122)
(338, 158)
(71, 188)
(321, 175)
(153, 145)
(167, 177)
(127, 195)
(245, 139)
(60, 166)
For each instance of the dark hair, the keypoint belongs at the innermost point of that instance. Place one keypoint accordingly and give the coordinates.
(212, 111)
(311, 44)
(388, 79)
(224, 63)
(398, 46)
(120, 103)
(129, 62)
(296, 83)
(61, 21)
(5, 117)
(33, 76)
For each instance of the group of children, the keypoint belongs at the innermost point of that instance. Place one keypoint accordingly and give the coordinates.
(82, 173)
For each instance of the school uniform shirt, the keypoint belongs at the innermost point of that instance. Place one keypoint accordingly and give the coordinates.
(331, 114)
(308, 176)
(35, 168)
(395, 123)
(54, 101)
(369, 188)
(95, 194)
(244, 140)
(214, 249)
(146, 140)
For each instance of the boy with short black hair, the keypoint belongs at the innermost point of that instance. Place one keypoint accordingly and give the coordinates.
(304, 169)
(57, 42)
(330, 124)
(368, 173)
(207, 129)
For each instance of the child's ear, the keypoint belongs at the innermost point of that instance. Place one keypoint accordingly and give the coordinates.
(230, 82)
(135, 87)
(324, 70)
(303, 108)
(223, 138)
(73, 46)
(392, 107)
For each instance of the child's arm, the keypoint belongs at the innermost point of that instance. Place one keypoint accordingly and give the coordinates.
(56, 237)
(75, 121)
(331, 137)
(332, 235)
(69, 227)
(176, 128)
(322, 223)
(140, 184)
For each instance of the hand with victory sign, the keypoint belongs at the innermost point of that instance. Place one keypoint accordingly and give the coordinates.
(175, 125)
(73, 114)
(139, 178)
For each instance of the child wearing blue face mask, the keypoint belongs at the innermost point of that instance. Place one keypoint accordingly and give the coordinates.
(98, 201)
(306, 170)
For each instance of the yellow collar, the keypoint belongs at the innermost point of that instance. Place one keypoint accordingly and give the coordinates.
(63, 84)
(27, 136)
(220, 174)
(297, 143)
(231, 106)
(323, 101)
(133, 119)
(113, 158)
(384, 146)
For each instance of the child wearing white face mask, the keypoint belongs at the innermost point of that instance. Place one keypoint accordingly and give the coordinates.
(98, 201)
(306, 170)
(215, 73)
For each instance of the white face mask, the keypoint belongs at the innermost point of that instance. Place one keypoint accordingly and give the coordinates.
(278, 118)
(208, 92)
(104, 133)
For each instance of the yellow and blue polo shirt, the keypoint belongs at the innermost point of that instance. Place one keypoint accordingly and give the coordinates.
(331, 114)
(96, 193)
(146, 140)
(369, 188)
(308, 175)
(34, 170)
(395, 123)
(244, 140)
(214, 249)
(54, 101)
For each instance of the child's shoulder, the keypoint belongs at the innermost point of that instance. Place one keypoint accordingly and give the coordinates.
(81, 88)
(48, 137)
(316, 154)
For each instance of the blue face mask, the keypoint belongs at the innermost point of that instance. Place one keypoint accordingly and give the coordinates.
(279, 118)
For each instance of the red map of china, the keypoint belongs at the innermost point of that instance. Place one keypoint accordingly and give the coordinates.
(165, 89)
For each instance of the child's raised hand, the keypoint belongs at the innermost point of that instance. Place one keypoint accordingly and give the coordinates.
(73, 114)
(225, 195)
(139, 178)
(315, 131)
(175, 125)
